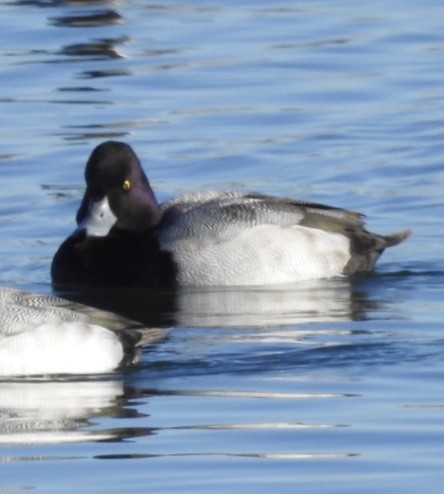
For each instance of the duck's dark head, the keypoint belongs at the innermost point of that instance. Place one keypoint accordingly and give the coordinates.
(118, 194)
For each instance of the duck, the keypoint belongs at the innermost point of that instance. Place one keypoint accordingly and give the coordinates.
(206, 238)
(48, 335)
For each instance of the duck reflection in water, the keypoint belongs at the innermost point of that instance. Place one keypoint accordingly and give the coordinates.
(338, 299)
(60, 411)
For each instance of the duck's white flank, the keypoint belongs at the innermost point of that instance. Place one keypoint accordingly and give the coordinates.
(60, 348)
(263, 254)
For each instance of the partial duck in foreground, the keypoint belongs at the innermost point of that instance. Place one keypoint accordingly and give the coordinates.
(42, 334)
(125, 237)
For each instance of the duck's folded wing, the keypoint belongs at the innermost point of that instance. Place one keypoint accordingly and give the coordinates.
(16, 319)
(222, 216)
(22, 312)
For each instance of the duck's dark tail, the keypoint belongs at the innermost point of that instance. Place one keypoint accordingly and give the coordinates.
(133, 339)
(395, 238)
(366, 248)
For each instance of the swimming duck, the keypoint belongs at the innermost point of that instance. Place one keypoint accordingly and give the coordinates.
(125, 237)
(41, 334)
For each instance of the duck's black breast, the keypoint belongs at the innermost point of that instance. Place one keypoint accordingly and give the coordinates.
(118, 259)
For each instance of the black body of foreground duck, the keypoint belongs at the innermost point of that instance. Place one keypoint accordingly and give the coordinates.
(124, 237)
(41, 334)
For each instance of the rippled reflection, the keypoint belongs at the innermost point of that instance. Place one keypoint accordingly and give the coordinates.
(319, 300)
(61, 3)
(94, 18)
(97, 50)
(39, 411)
(314, 301)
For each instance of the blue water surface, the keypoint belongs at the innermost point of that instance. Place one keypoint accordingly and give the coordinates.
(333, 386)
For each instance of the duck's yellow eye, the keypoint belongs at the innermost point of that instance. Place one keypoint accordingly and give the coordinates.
(126, 185)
